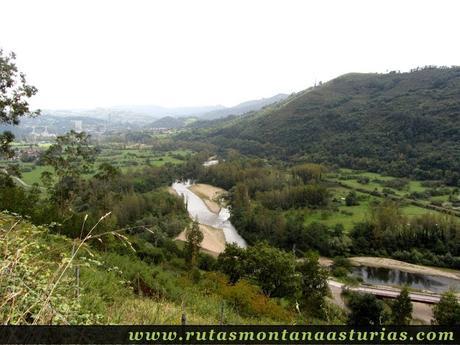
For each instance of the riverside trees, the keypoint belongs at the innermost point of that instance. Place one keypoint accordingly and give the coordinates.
(278, 274)
(194, 238)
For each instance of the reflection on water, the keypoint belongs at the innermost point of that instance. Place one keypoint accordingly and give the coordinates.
(198, 210)
(385, 276)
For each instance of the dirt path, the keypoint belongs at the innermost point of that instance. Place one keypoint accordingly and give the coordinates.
(213, 239)
(422, 313)
(18, 180)
(326, 262)
(210, 195)
(404, 266)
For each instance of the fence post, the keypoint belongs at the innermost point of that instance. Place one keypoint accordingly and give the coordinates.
(183, 318)
(221, 321)
(77, 278)
(77, 273)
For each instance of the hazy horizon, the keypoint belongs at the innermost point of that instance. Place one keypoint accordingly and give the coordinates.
(107, 106)
(100, 54)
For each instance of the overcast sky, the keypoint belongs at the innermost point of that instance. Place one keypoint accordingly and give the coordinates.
(182, 53)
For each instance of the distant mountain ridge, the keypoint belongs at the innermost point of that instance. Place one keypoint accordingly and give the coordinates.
(147, 113)
(239, 109)
(140, 113)
(243, 108)
(168, 122)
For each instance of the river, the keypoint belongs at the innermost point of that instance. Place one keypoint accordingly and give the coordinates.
(198, 210)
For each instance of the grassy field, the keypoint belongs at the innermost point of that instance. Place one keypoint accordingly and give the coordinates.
(348, 216)
(35, 174)
(352, 178)
(125, 159)
(371, 182)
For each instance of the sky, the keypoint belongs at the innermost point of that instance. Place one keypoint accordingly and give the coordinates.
(97, 53)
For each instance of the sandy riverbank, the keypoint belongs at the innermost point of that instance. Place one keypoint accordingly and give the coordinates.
(213, 239)
(403, 266)
(209, 194)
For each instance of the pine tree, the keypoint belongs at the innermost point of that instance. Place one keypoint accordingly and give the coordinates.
(194, 238)
(447, 311)
(401, 308)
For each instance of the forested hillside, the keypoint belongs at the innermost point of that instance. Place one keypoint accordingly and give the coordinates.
(403, 124)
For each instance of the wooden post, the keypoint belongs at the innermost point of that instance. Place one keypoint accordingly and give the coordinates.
(183, 318)
(139, 291)
(221, 319)
(77, 275)
(77, 278)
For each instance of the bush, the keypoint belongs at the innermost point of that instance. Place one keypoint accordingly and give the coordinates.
(207, 262)
(250, 301)
(351, 199)
(244, 296)
(339, 272)
(341, 267)
(363, 180)
(397, 183)
(149, 253)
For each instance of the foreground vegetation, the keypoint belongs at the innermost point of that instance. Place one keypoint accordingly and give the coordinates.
(54, 279)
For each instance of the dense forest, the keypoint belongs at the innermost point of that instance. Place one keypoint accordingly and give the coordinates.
(271, 202)
(402, 124)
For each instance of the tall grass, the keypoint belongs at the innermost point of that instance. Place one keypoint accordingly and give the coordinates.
(35, 284)
(38, 285)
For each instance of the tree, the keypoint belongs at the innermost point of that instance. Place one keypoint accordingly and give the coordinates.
(274, 270)
(313, 283)
(365, 309)
(14, 95)
(194, 238)
(107, 172)
(447, 311)
(351, 199)
(71, 156)
(241, 204)
(233, 262)
(386, 216)
(401, 308)
(308, 172)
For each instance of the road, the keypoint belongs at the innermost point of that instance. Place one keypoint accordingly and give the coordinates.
(430, 298)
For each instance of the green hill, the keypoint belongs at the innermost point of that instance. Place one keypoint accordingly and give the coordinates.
(398, 123)
(168, 122)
